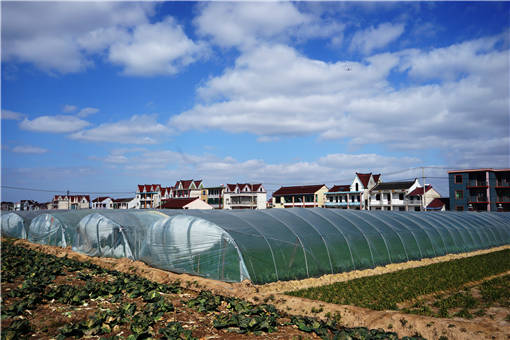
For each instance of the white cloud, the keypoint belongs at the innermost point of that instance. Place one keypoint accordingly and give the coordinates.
(160, 48)
(55, 36)
(245, 24)
(374, 38)
(87, 112)
(8, 114)
(139, 129)
(69, 108)
(54, 124)
(273, 91)
(63, 37)
(330, 169)
(29, 149)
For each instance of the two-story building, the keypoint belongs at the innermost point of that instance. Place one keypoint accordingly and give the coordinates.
(392, 196)
(415, 198)
(70, 202)
(480, 189)
(245, 196)
(354, 196)
(148, 196)
(214, 196)
(302, 196)
(188, 188)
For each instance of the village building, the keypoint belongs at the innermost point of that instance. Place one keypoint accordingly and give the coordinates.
(102, 203)
(189, 188)
(480, 190)
(70, 202)
(148, 196)
(214, 196)
(415, 198)
(245, 196)
(302, 196)
(124, 203)
(353, 196)
(393, 196)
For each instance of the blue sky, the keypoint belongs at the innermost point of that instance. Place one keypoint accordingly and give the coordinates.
(100, 97)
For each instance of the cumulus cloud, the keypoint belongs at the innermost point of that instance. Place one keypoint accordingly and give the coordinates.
(273, 91)
(374, 38)
(139, 129)
(8, 114)
(329, 169)
(29, 149)
(53, 124)
(52, 35)
(64, 37)
(244, 25)
(160, 48)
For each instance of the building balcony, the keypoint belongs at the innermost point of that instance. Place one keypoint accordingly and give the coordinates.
(477, 184)
(503, 199)
(337, 204)
(301, 204)
(478, 199)
(502, 184)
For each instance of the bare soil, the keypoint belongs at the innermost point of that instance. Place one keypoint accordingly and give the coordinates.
(351, 316)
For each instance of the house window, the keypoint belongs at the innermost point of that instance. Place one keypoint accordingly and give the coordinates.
(388, 197)
(459, 194)
(377, 197)
(458, 179)
(401, 197)
(459, 208)
(357, 187)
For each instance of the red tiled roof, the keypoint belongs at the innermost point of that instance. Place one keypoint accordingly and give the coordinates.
(197, 183)
(338, 188)
(256, 187)
(364, 178)
(186, 184)
(376, 177)
(436, 203)
(419, 191)
(300, 189)
(176, 203)
(231, 187)
(476, 170)
(148, 187)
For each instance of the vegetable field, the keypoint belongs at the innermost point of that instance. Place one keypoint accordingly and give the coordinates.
(46, 297)
(388, 291)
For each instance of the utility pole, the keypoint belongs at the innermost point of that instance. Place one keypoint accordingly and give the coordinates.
(424, 189)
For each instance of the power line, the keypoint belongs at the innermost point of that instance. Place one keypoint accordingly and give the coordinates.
(73, 192)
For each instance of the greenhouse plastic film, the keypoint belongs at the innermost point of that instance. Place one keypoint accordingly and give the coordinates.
(15, 224)
(55, 228)
(193, 245)
(114, 233)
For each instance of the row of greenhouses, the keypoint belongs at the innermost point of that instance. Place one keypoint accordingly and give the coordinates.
(261, 245)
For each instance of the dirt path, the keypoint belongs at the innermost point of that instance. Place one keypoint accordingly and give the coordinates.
(351, 316)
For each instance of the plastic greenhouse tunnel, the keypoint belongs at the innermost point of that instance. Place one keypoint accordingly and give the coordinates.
(110, 233)
(16, 224)
(285, 244)
(55, 228)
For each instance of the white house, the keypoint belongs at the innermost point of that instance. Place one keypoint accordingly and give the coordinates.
(124, 203)
(102, 203)
(354, 196)
(244, 196)
(415, 198)
(393, 196)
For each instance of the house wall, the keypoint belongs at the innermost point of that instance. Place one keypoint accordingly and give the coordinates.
(198, 204)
